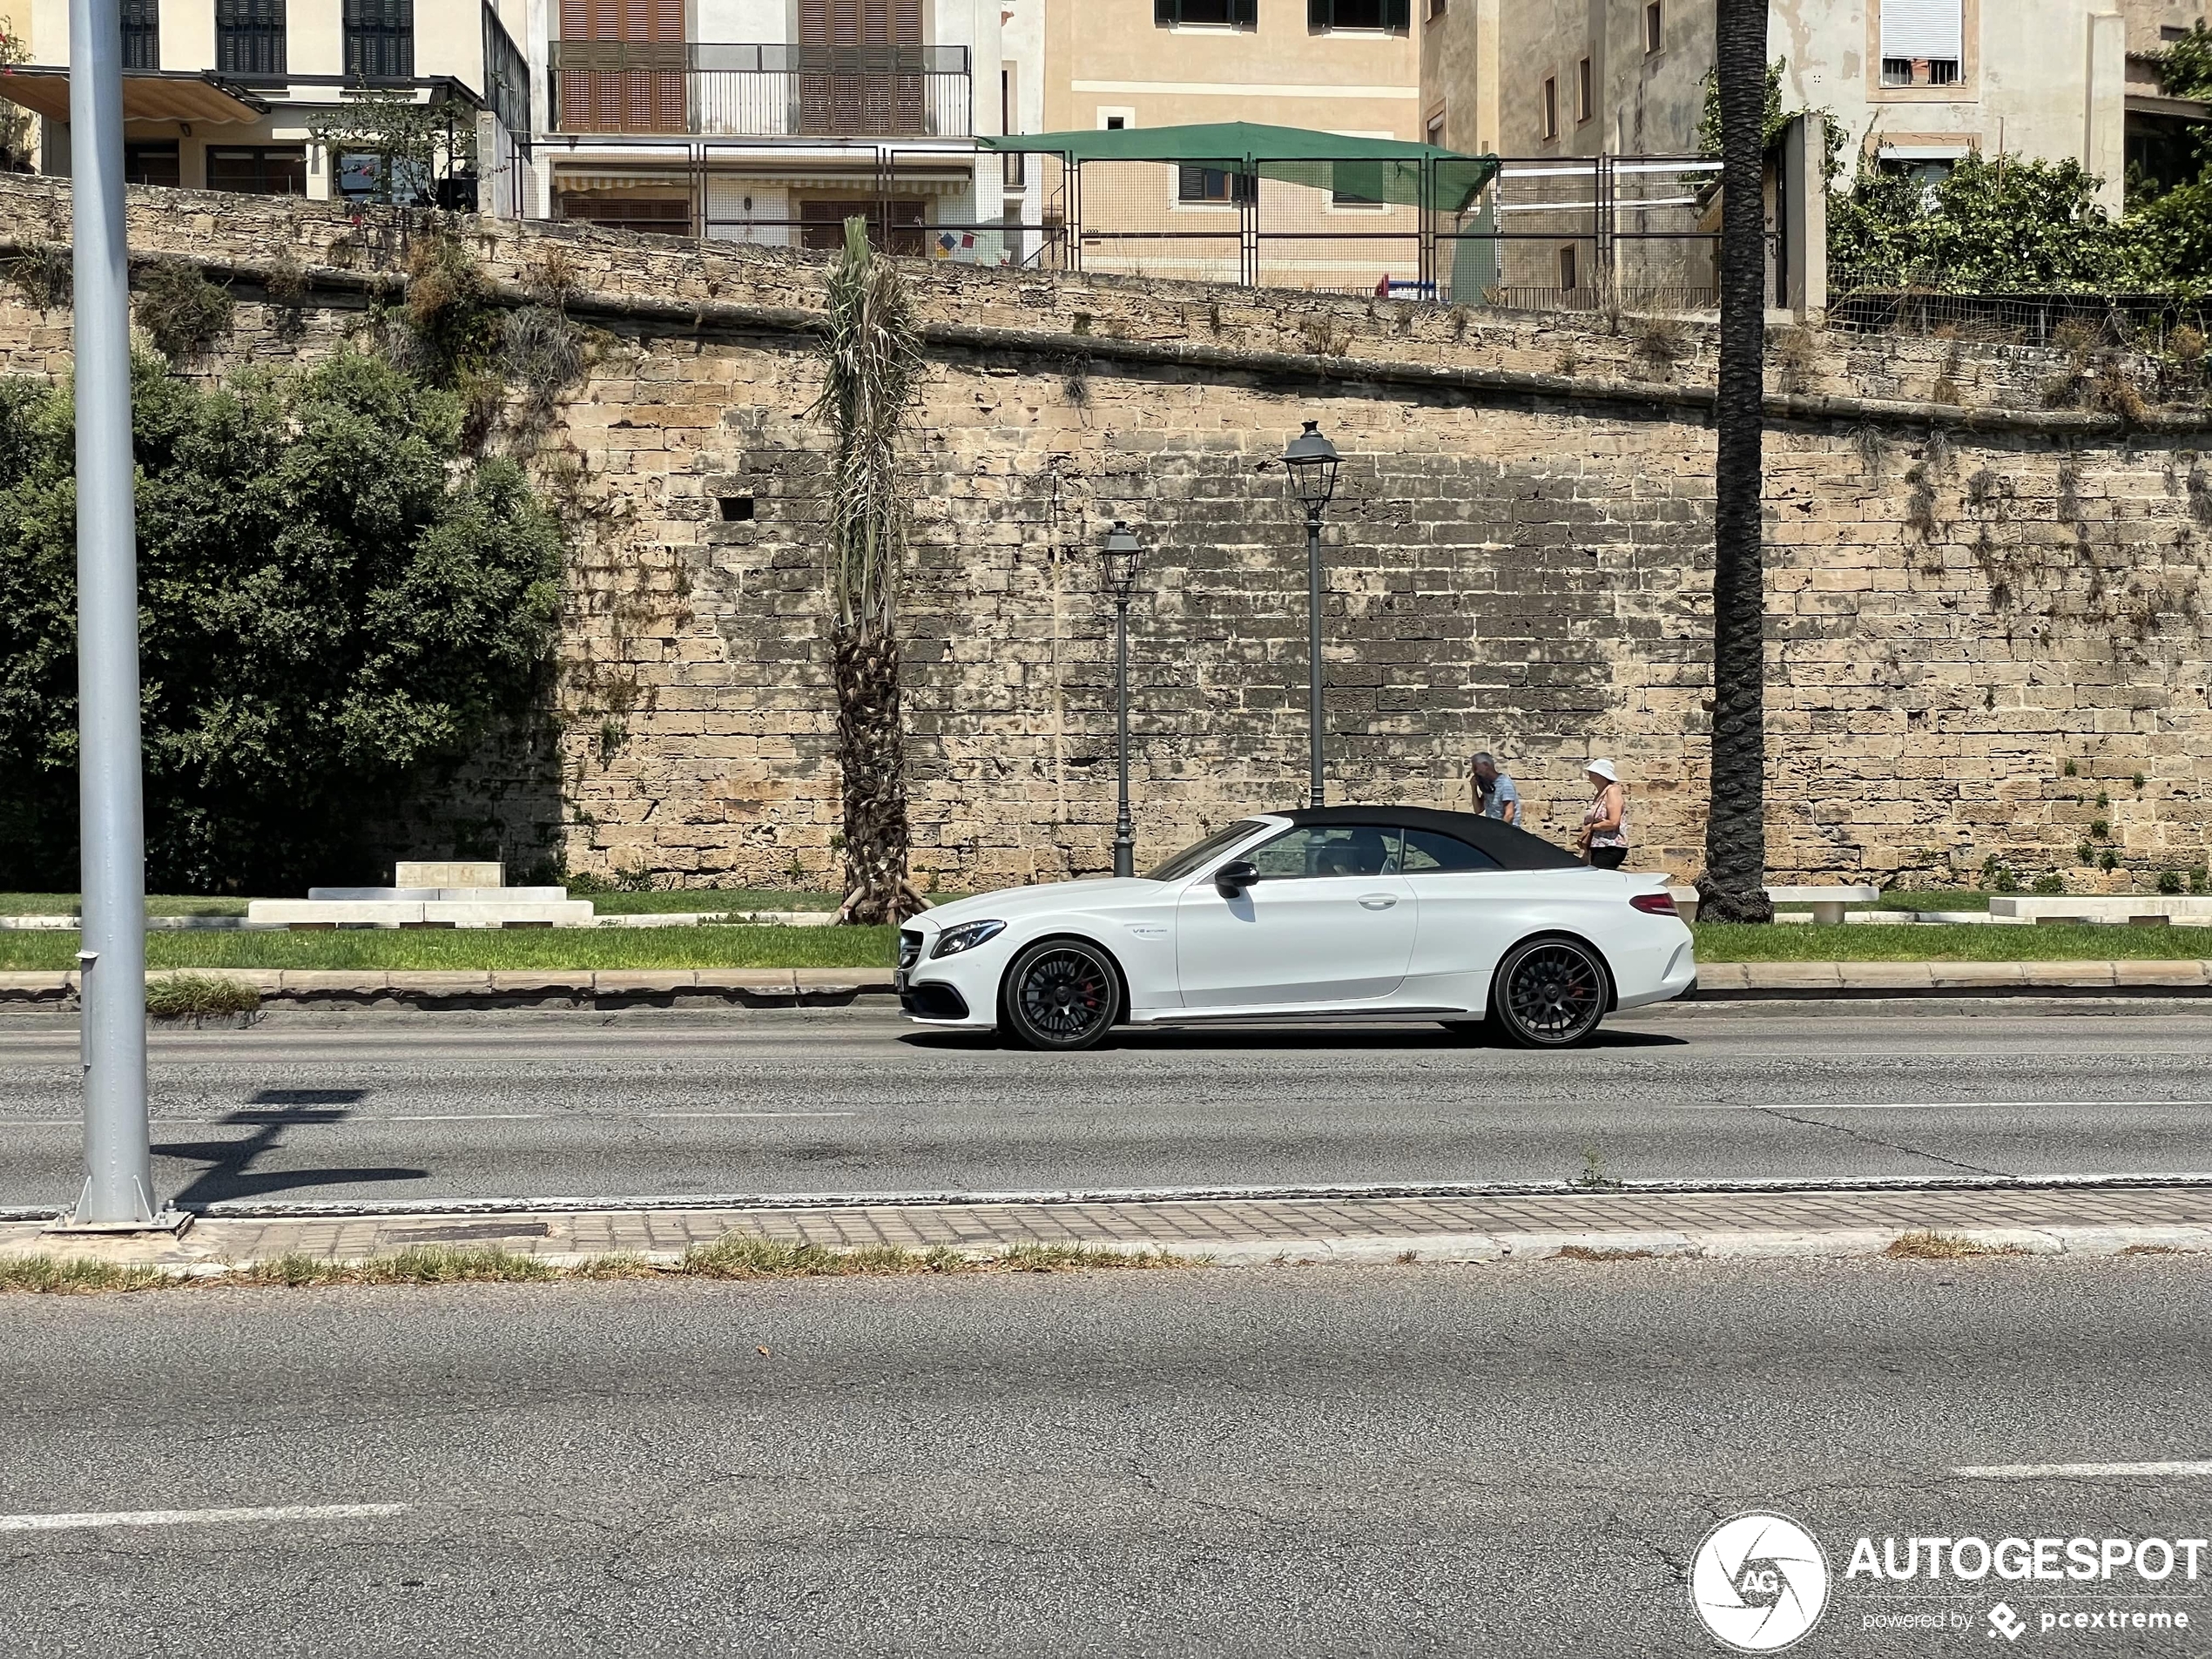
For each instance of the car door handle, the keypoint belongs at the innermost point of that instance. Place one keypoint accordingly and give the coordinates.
(1377, 900)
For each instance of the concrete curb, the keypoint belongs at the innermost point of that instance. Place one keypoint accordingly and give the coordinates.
(704, 988)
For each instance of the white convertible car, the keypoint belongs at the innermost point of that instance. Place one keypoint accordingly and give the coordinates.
(1394, 913)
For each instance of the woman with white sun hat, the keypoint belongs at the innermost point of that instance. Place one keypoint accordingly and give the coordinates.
(1604, 840)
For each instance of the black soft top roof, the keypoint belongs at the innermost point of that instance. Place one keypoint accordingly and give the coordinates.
(1515, 849)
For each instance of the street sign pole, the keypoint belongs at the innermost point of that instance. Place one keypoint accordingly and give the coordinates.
(118, 1172)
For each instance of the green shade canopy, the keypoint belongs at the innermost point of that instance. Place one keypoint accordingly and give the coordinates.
(1384, 170)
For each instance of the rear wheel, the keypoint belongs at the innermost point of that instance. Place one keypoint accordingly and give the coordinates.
(1060, 994)
(1549, 993)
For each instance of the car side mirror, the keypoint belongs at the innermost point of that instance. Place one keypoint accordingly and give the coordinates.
(1233, 877)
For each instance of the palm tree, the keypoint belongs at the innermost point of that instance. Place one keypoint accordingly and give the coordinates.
(1733, 885)
(872, 369)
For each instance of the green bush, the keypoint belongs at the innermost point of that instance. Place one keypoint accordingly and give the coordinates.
(335, 602)
(2049, 884)
(180, 309)
(2169, 881)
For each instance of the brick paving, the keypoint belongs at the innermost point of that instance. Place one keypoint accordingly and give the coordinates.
(1231, 1228)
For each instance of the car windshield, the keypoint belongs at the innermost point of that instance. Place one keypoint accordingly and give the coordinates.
(1196, 857)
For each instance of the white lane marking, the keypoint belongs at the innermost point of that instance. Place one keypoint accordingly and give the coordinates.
(1954, 1105)
(443, 1118)
(200, 1517)
(413, 1117)
(2061, 1470)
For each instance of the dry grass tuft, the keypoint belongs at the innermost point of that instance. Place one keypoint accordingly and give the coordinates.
(1931, 1246)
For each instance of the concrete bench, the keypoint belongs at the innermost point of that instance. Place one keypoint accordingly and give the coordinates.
(1827, 903)
(2055, 907)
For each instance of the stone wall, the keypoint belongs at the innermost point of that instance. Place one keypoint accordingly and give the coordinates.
(1985, 617)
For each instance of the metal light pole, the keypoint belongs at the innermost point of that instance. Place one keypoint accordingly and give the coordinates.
(1311, 461)
(1120, 561)
(118, 1170)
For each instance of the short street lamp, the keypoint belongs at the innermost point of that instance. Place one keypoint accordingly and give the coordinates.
(1120, 561)
(1312, 464)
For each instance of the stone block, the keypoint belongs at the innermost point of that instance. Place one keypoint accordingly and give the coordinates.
(448, 872)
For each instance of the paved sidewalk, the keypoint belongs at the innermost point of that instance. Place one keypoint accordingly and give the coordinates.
(2098, 1220)
(787, 988)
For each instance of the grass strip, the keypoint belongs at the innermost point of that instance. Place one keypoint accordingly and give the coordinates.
(460, 950)
(1720, 941)
(403, 950)
(738, 1256)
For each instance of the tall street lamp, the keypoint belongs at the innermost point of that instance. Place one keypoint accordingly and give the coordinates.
(1120, 561)
(1312, 464)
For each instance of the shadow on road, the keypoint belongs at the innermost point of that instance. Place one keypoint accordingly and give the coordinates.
(229, 1171)
(1263, 1038)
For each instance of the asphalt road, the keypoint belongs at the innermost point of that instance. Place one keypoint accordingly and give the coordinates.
(1508, 1460)
(411, 1107)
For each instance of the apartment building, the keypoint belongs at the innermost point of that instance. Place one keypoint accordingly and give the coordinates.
(225, 94)
(1916, 82)
(1345, 67)
(773, 121)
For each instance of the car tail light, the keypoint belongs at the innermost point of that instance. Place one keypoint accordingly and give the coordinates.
(1656, 904)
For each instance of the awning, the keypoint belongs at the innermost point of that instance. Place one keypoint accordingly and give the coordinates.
(1389, 170)
(148, 95)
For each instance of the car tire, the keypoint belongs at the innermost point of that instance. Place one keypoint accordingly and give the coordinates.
(1061, 996)
(1549, 992)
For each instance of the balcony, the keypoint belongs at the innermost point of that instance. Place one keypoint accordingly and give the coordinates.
(701, 90)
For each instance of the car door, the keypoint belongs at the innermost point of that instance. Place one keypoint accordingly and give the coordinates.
(1470, 910)
(1329, 922)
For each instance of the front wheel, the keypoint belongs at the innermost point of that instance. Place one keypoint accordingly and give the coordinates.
(1061, 996)
(1549, 993)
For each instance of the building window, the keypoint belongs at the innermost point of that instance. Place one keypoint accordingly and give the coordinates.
(1551, 106)
(259, 172)
(1585, 103)
(1322, 15)
(1220, 14)
(1653, 38)
(1436, 9)
(1213, 187)
(152, 163)
(249, 39)
(1923, 41)
(1116, 120)
(141, 34)
(1436, 129)
(1567, 268)
(380, 40)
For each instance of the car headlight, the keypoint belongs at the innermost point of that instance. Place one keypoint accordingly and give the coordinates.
(967, 936)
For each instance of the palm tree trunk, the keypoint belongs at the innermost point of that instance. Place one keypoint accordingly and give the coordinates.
(1733, 885)
(872, 755)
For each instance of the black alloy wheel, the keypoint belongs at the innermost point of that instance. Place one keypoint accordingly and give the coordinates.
(1061, 994)
(1549, 993)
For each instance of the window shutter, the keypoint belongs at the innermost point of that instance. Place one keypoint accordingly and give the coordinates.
(1319, 14)
(1922, 29)
(1247, 14)
(814, 22)
(1397, 14)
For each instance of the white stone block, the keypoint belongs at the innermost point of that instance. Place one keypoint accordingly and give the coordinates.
(368, 913)
(576, 912)
(448, 872)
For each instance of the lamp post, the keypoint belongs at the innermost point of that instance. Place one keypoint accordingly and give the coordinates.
(118, 1173)
(1120, 561)
(1310, 461)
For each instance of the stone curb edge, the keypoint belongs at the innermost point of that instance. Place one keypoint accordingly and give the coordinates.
(834, 986)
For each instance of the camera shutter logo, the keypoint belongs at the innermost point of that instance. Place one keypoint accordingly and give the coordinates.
(1759, 1582)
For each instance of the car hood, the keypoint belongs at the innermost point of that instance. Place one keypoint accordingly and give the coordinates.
(1010, 904)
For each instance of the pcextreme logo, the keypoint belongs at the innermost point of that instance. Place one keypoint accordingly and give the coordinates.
(1759, 1582)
